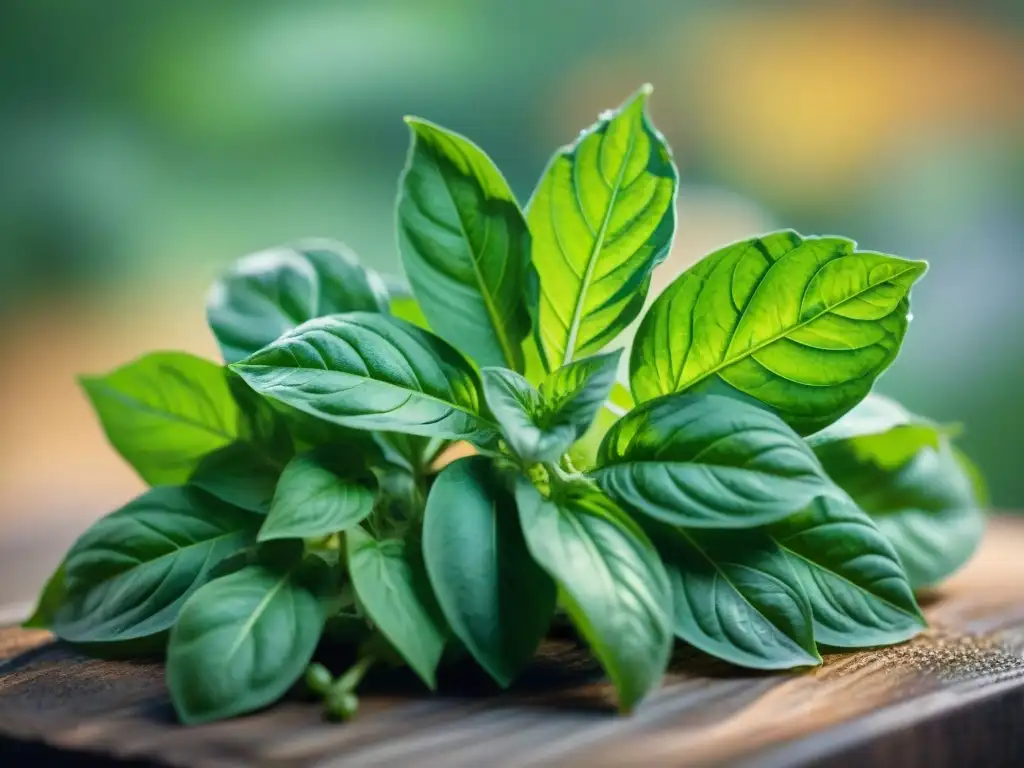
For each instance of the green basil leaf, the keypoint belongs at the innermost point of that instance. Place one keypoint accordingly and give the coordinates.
(735, 596)
(164, 412)
(241, 642)
(371, 372)
(575, 393)
(265, 294)
(316, 497)
(602, 217)
(706, 461)
(878, 429)
(128, 575)
(610, 579)
(414, 453)
(927, 509)
(239, 474)
(518, 408)
(859, 593)
(393, 588)
(465, 246)
(541, 426)
(50, 599)
(497, 601)
(805, 325)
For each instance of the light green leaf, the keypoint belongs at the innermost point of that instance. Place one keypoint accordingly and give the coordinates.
(164, 412)
(242, 641)
(611, 582)
(541, 426)
(927, 509)
(707, 461)
(315, 497)
(858, 591)
(878, 429)
(265, 294)
(393, 588)
(584, 453)
(465, 246)
(735, 596)
(371, 372)
(497, 601)
(602, 217)
(804, 325)
(574, 393)
(128, 575)
(50, 599)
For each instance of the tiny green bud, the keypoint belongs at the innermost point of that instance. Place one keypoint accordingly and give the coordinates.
(341, 704)
(319, 678)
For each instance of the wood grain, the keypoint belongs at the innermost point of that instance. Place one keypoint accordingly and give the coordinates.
(954, 696)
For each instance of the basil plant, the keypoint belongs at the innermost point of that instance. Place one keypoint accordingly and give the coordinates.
(417, 471)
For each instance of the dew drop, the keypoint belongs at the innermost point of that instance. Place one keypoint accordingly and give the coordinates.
(606, 114)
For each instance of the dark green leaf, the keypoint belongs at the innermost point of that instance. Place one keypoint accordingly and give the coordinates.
(879, 430)
(371, 372)
(465, 246)
(805, 325)
(316, 497)
(495, 598)
(241, 642)
(602, 217)
(927, 509)
(707, 461)
(393, 588)
(268, 293)
(736, 597)
(584, 453)
(858, 591)
(164, 412)
(128, 575)
(611, 582)
(239, 474)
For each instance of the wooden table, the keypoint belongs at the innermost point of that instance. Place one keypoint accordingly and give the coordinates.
(954, 696)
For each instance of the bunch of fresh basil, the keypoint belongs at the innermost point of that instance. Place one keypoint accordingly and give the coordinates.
(746, 494)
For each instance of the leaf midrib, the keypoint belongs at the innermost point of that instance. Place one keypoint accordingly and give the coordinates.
(577, 313)
(257, 613)
(742, 596)
(841, 577)
(129, 400)
(415, 392)
(728, 361)
(496, 322)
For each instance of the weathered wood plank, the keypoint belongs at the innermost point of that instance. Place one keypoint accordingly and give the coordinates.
(954, 696)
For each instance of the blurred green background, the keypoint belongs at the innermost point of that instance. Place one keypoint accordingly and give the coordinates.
(145, 145)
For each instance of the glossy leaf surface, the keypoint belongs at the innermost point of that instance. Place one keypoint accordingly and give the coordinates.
(735, 596)
(804, 325)
(859, 593)
(164, 412)
(128, 575)
(880, 430)
(316, 497)
(707, 461)
(371, 371)
(465, 246)
(602, 217)
(927, 509)
(393, 588)
(265, 294)
(610, 579)
(241, 642)
(497, 601)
